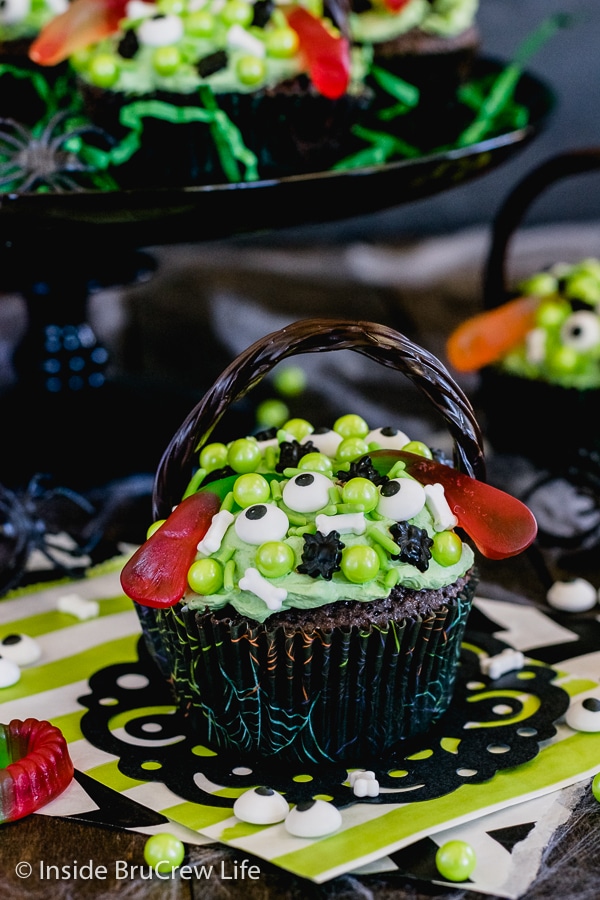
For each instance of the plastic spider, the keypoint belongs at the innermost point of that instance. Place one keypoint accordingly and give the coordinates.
(30, 158)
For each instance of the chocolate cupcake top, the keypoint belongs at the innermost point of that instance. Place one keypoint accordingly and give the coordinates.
(372, 21)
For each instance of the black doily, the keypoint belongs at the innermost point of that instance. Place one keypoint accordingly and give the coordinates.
(490, 726)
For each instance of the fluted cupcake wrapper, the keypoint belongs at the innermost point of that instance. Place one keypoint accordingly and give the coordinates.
(348, 694)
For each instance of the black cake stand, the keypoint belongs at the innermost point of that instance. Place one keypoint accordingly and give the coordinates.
(57, 249)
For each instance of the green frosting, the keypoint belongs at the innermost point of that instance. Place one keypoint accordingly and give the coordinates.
(443, 18)
(563, 347)
(138, 74)
(303, 591)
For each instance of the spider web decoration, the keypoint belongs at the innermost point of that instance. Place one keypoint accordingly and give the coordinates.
(490, 726)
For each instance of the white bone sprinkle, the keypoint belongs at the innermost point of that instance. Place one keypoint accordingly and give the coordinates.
(345, 523)
(443, 517)
(211, 541)
(254, 582)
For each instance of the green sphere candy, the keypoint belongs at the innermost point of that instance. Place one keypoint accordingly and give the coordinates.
(316, 462)
(213, 456)
(563, 360)
(205, 576)
(351, 425)
(419, 448)
(274, 559)
(251, 488)
(291, 380)
(541, 285)
(103, 70)
(272, 413)
(298, 428)
(446, 548)
(351, 448)
(281, 43)
(250, 69)
(166, 60)
(583, 286)
(164, 852)
(361, 491)
(243, 455)
(237, 12)
(455, 860)
(360, 563)
(596, 786)
(551, 313)
(200, 23)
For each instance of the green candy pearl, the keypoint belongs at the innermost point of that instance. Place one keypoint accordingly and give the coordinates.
(275, 559)
(164, 852)
(446, 548)
(298, 428)
(596, 786)
(361, 491)
(351, 448)
(455, 860)
(351, 425)
(316, 462)
(251, 488)
(360, 564)
(243, 455)
(418, 448)
(205, 576)
(213, 456)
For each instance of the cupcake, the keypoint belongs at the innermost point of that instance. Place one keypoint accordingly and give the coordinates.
(537, 347)
(305, 591)
(429, 44)
(206, 92)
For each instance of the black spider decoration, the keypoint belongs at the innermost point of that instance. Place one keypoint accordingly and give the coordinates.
(414, 544)
(321, 555)
(291, 452)
(362, 468)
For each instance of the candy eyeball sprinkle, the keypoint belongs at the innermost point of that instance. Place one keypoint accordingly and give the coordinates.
(401, 499)
(261, 806)
(307, 492)
(326, 441)
(313, 818)
(581, 330)
(260, 523)
(584, 715)
(577, 595)
(20, 649)
(13, 11)
(387, 438)
(10, 673)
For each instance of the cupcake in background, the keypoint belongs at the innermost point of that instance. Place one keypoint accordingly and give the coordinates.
(536, 345)
(20, 23)
(305, 591)
(539, 358)
(215, 91)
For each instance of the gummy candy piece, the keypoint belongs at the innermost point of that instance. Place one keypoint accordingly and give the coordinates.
(488, 336)
(327, 55)
(36, 767)
(156, 574)
(84, 22)
(499, 524)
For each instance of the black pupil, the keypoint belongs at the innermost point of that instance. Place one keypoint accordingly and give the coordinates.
(256, 512)
(389, 489)
(592, 703)
(305, 480)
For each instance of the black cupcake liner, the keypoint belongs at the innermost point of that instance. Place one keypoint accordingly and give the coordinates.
(347, 695)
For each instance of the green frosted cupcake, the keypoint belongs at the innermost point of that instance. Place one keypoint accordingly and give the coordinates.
(307, 597)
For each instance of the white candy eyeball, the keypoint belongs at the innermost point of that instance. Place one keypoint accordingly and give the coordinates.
(326, 440)
(261, 522)
(307, 492)
(584, 715)
(387, 438)
(13, 11)
(313, 818)
(9, 672)
(401, 499)
(261, 806)
(577, 595)
(581, 330)
(20, 649)
(160, 31)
